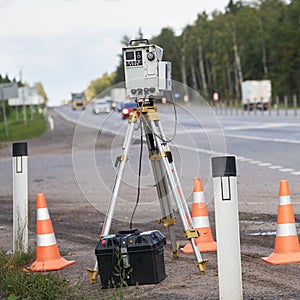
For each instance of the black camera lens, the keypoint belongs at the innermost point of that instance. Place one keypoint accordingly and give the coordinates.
(150, 56)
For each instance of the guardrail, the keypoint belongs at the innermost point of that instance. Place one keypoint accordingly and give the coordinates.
(287, 105)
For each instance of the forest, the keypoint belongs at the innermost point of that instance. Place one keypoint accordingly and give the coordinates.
(215, 53)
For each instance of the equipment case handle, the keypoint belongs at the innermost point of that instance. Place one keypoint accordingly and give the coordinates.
(121, 233)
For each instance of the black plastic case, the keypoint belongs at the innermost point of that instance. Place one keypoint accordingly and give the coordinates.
(130, 257)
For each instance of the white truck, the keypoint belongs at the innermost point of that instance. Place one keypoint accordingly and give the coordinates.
(118, 95)
(256, 94)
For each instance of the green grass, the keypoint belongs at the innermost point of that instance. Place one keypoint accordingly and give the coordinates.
(18, 285)
(18, 130)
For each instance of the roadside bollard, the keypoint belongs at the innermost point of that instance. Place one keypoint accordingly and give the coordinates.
(227, 228)
(20, 198)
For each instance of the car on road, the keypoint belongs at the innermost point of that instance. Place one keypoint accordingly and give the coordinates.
(113, 104)
(120, 106)
(128, 109)
(101, 106)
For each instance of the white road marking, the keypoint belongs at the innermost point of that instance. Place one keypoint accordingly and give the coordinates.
(262, 139)
(286, 170)
(255, 162)
(274, 167)
(246, 159)
(262, 126)
(243, 159)
(265, 164)
(232, 128)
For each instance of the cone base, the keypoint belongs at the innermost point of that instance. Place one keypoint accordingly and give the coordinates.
(50, 265)
(203, 247)
(282, 258)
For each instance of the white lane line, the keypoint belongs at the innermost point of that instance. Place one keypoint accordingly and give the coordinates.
(265, 164)
(263, 139)
(286, 170)
(261, 126)
(246, 159)
(275, 167)
(256, 162)
(242, 159)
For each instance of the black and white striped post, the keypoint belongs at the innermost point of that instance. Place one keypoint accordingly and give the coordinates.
(20, 197)
(227, 228)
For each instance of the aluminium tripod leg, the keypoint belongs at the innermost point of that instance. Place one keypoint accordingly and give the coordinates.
(121, 166)
(167, 150)
(176, 188)
(168, 218)
(93, 273)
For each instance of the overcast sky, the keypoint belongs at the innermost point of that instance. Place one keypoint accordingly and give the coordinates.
(67, 43)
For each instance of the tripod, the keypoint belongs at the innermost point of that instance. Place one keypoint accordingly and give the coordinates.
(165, 176)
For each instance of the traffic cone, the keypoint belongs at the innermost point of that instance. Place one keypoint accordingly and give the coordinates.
(47, 253)
(200, 221)
(287, 249)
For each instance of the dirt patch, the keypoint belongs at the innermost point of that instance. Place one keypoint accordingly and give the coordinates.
(77, 227)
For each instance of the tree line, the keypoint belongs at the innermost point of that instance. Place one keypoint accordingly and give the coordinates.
(248, 41)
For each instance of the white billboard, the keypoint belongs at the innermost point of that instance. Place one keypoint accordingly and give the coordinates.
(26, 96)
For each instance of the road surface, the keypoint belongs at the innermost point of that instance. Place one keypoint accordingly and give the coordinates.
(266, 148)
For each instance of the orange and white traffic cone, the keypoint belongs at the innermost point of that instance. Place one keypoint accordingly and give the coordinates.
(200, 221)
(47, 253)
(287, 249)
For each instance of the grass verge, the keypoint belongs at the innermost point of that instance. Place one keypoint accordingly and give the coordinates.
(19, 130)
(18, 285)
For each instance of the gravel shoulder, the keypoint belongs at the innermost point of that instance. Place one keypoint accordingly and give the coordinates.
(77, 226)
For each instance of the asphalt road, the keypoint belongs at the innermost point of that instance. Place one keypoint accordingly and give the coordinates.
(266, 148)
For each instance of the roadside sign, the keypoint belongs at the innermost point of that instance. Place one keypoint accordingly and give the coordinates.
(26, 97)
(8, 90)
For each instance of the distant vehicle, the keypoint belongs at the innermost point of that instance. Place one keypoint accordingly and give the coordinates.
(113, 104)
(128, 109)
(101, 106)
(78, 101)
(118, 94)
(120, 106)
(256, 94)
